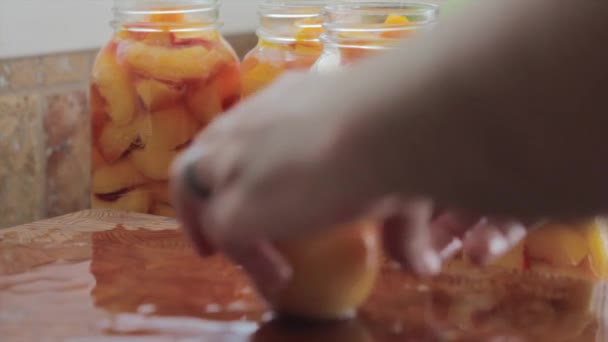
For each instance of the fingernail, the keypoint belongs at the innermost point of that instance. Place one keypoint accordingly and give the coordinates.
(430, 263)
(266, 267)
(497, 246)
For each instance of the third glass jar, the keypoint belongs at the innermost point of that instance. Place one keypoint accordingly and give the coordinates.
(163, 76)
(288, 40)
(354, 30)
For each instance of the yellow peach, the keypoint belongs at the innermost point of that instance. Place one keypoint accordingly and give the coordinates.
(115, 139)
(134, 201)
(113, 178)
(333, 273)
(177, 64)
(114, 85)
(162, 209)
(558, 245)
(596, 234)
(204, 102)
(168, 128)
(157, 95)
(153, 163)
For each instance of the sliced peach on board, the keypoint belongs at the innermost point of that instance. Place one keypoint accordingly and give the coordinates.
(596, 234)
(177, 64)
(333, 273)
(115, 139)
(558, 245)
(116, 177)
(114, 85)
(157, 95)
(204, 102)
(514, 259)
(159, 191)
(162, 209)
(133, 201)
(168, 128)
(153, 163)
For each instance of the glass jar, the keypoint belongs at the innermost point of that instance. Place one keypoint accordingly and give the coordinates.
(356, 30)
(164, 75)
(288, 40)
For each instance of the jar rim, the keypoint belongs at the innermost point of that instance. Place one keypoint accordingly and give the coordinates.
(126, 10)
(279, 11)
(336, 31)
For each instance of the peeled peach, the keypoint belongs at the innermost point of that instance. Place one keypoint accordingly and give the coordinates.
(558, 245)
(333, 273)
(204, 102)
(134, 201)
(115, 139)
(227, 82)
(153, 163)
(157, 95)
(177, 64)
(162, 209)
(113, 178)
(114, 85)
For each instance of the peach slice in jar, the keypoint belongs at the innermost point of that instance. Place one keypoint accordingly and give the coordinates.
(174, 64)
(204, 102)
(134, 201)
(114, 84)
(114, 178)
(115, 140)
(333, 273)
(156, 95)
(162, 209)
(97, 160)
(167, 129)
(159, 191)
(258, 74)
(153, 162)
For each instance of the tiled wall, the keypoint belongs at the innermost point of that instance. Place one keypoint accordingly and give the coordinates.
(44, 134)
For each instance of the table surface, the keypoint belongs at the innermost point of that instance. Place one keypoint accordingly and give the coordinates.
(102, 275)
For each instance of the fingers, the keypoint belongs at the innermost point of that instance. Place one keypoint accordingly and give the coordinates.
(266, 267)
(407, 238)
(188, 202)
(491, 238)
(447, 230)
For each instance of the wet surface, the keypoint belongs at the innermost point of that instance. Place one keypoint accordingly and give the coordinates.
(134, 284)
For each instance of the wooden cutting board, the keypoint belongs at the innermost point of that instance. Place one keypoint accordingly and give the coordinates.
(101, 275)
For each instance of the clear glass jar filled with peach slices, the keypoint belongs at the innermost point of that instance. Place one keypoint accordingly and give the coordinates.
(164, 75)
(288, 40)
(354, 30)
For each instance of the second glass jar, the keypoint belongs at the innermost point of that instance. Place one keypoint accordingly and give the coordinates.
(288, 40)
